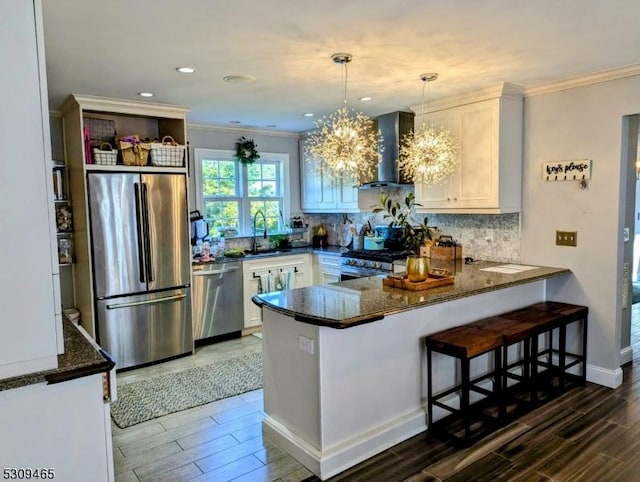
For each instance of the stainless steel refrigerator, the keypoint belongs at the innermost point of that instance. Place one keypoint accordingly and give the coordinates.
(141, 257)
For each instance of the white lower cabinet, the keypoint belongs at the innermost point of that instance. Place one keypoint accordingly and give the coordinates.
(63, 430)
(326, 268)
(299, 264)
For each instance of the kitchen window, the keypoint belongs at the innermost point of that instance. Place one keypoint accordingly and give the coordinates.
(229, 193)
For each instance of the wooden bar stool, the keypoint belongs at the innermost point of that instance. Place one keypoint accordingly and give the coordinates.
(569, 314)
(544, 323)
(513, 332)
(465, 343)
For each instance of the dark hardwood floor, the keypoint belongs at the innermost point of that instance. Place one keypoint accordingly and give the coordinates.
(590, 433)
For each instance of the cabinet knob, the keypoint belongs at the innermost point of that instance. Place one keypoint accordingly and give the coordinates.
(455, 199)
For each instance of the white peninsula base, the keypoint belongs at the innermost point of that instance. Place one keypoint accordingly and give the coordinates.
(335, 397)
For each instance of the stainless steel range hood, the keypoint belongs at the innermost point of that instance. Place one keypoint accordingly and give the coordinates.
(393, 126)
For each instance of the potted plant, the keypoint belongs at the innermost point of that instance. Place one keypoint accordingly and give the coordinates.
(411, 234)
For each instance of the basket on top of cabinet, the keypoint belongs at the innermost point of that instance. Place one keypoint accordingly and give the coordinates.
(167, 153)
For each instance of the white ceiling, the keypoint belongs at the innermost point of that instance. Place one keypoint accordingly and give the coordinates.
(118, 48)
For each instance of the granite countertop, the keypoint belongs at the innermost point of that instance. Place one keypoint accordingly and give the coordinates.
(333, 250)
(80, 359)
(363, 300)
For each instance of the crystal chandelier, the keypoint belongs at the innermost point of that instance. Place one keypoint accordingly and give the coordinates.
(345, 145)
(428, 156)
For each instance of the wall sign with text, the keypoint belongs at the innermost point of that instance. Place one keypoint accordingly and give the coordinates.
(576, 170)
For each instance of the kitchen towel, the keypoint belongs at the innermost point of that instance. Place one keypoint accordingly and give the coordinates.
(286, 280)
(265, 283)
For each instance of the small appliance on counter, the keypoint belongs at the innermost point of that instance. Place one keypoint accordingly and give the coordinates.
(199, 228)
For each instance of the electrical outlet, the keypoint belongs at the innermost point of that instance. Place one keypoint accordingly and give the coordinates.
(566, 238)
(306, 344)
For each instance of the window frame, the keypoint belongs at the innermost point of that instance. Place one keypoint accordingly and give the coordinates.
(245, 222)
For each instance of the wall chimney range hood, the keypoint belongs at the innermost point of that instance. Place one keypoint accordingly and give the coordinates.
(393, 126)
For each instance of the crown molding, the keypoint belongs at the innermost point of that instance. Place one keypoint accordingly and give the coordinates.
(583, 80)
(243, 130)
(503, 90)
(132, 107)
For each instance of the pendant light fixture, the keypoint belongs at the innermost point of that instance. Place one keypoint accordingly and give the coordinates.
(428, 156)
(345, 145)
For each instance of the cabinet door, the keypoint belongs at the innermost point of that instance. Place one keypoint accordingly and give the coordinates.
(30, 296)
(441, 195)
(318, 192)
(477, 181)
(251, 284)
(348, 196)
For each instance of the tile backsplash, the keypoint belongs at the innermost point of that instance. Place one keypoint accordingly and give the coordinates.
(491, 237)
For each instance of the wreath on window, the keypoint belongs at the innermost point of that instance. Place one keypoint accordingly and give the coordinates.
(246, 151)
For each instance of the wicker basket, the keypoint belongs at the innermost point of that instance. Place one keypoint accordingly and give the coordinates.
(105, 157)
(167, 153)
(134, 154)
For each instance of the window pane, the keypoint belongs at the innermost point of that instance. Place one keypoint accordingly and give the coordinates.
(222, 214)
(254, 188)
(268, 189)
(269, 171)
(218, 178)
(254, 171)
(271, 210)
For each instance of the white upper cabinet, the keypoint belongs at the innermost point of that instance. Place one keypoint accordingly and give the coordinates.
(31, 328)
(488, 177)
(320, 194)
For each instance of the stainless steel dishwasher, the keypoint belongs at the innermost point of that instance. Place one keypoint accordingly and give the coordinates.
(217, 299)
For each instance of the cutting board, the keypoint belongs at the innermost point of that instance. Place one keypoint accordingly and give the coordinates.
(405, 284)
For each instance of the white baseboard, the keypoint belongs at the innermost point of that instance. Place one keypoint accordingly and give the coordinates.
(626, 355)
(604, 376)
(330, 462)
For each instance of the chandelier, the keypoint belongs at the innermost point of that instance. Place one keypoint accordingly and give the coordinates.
(428, 156)
(345, 145)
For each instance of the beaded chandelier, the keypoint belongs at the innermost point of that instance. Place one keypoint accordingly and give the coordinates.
(345, 145)
(429, 155)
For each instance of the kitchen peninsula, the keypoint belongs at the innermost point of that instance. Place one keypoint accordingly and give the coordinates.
(344, 363)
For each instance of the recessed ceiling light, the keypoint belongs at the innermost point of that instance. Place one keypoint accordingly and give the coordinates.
(366, 99)
(238, 79)
(145, 94)
(186, 70)
(309, 114)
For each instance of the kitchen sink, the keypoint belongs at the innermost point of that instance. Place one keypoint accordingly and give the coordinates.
(266, 252)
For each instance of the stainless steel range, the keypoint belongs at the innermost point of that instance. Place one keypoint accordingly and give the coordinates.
(363, 262)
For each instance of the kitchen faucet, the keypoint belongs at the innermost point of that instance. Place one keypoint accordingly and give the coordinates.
(254, 248)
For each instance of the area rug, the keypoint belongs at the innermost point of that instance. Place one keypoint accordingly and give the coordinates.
(154, 397)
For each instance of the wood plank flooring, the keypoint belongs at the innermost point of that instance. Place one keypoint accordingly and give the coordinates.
(591, 433)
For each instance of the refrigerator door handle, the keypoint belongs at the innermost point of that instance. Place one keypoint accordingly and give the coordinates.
(141, 233)
(146, 302)
(147, 234)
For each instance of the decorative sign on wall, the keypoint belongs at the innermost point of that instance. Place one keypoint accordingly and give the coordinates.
(576, 170)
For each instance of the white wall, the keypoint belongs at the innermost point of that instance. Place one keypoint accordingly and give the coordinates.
(211, 137)
(583, 122)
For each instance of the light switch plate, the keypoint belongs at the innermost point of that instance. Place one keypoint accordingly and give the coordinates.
(566, 238)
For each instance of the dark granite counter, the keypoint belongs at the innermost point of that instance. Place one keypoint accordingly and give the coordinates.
(353, 302)
(333, 250)
(80, 359)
